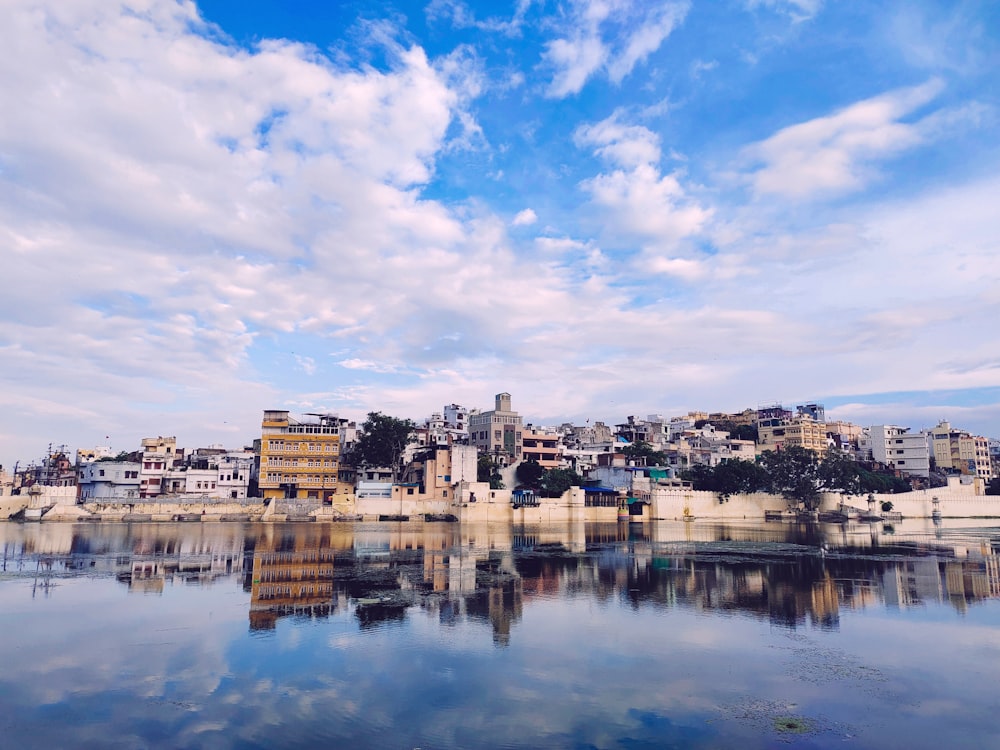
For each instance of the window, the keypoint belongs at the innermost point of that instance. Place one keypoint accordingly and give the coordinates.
(409, 490)
(101, 472)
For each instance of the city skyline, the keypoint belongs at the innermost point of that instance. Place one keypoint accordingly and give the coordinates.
(603, 208)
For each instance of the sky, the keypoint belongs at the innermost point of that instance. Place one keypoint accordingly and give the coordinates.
(603, 207)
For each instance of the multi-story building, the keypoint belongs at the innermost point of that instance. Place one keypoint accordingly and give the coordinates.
(498, 432)
(114, 481)
(815, 411)
(543, 446)
(898, 448)
(158, 455)
(802, 431)
(456, 417)
(299, 459)
(958, 452)
(211, 472)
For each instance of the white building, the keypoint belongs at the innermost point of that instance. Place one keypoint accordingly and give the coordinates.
(109, 480)
(898, 448)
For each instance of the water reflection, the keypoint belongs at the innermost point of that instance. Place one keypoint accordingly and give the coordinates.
(790, 575)
(440, 636)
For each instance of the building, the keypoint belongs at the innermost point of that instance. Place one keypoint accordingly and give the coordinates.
(299, 459)
(498, 433)
(158, 455)
(211, 472)
(543, 446)
(111, 481)
(802, 431)
(456, 417)
(958, 452)
(816, 412)
(898, 448)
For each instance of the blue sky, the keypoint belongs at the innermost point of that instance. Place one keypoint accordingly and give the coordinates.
(604, 207)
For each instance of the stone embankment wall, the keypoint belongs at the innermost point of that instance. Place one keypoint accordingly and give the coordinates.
(954, 501)
(158, 510)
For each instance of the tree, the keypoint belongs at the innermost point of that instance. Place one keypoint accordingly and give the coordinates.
(488, 470)
(642, 450)
(839, 472)
(382, 442)
(529, 473)
(794, 474)
(556, 481)
(736, 476)
(701, 477)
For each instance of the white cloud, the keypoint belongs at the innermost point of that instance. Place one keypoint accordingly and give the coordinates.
(638, 198)
(524, 218)
(613, 36)
(798, 10)
(306, 364)
(838, 153)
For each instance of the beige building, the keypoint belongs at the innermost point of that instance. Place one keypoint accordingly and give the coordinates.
(543, 446)
(498, 433)
(958, 452)
(802, 431)
(158, 456)
(300, 459)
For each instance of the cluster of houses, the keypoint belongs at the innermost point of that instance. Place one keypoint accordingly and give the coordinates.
(306, 458)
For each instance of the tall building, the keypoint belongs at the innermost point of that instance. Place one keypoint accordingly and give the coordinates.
(958, 452)
(898, 448)
(158, 455)
(803, 431)
(299, 459)
(498, 432)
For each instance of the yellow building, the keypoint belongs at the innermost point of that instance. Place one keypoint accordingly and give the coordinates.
(802, 431)
(299, 459)
(956, 451)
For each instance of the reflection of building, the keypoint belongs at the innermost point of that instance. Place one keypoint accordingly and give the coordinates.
(290, 577)
(501, 604)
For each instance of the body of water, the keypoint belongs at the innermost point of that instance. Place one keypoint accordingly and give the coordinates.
(397, 635)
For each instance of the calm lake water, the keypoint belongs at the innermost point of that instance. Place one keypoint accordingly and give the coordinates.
(688, 635)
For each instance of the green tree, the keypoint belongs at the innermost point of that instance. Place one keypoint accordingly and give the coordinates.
(643, 451)
(736, 476)
(382, 442)
(794, 474)
(488, 470)
(556, 481)
(701, 477)
(529, 473)
(840, 473)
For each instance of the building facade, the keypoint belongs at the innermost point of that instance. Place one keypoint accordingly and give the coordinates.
(898, 448)
(958, 452)
(498, 433)
(299, 459)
